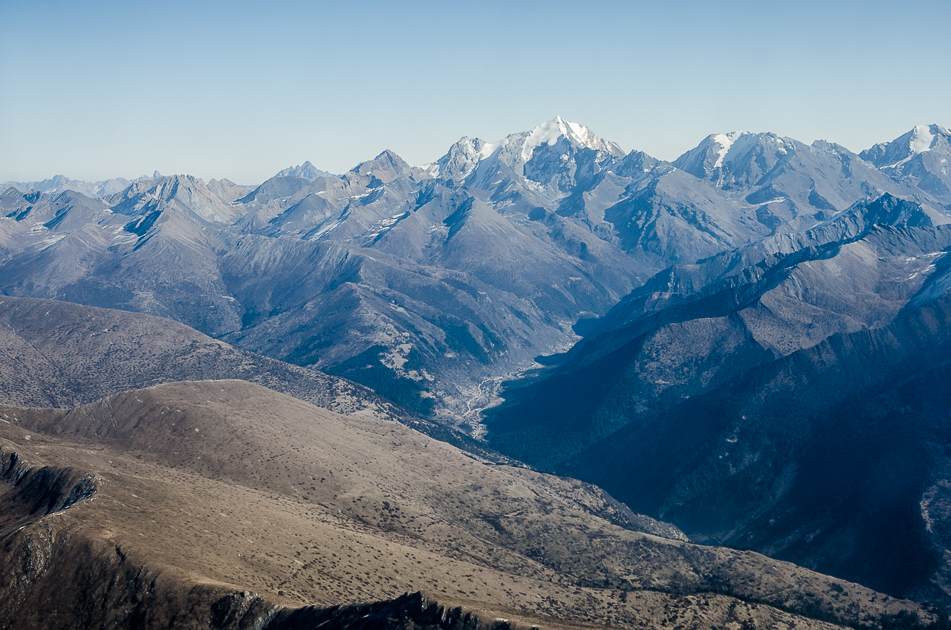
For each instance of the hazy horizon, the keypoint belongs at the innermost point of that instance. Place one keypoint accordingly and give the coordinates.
(241, 91)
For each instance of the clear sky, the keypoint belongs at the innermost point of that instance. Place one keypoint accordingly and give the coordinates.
(239, 89)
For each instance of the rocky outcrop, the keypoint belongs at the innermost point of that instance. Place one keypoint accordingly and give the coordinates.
(37, 492)
(412, 610)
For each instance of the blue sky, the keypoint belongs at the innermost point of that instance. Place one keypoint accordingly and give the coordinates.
(242, 89)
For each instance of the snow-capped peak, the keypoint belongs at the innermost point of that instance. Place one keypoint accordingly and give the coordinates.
(518, 148)
(578, 135)
(460, 161)
(717, 150)
(515, 151)
(921, 139)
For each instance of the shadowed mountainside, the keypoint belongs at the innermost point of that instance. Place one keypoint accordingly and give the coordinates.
(834, 457)
(693, 327)
(667, 403)
(829, 457)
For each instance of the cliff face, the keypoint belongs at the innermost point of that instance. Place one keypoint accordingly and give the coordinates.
(27, 493)
(54, 580)
(51, 578)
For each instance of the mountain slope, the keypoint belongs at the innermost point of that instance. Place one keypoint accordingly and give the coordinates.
(693, 327)
(223, 486)
(305, 171)
(401, 277)
(840, 319)
(180, 193)
(791, 185)
(271, 295)
(919, 157)
(834, 457)
(58, 354)
(61, 183)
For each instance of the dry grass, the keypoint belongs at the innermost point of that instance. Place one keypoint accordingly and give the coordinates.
(232, 485)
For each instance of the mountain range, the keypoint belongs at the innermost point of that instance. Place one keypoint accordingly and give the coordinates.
(745, 346)
(415, 263)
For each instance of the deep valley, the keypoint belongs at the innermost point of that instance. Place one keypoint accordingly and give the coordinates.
(538, 382)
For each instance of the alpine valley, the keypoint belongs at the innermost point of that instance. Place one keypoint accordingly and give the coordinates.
(538, 382)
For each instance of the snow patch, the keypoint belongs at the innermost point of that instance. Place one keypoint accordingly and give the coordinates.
(325, 230)
(46, 242)
(921, 139)
(920, 142)
(489, 149)
(397, 357)
(725, 141)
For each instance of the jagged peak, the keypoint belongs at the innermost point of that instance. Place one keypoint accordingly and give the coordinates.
(304, 171)
(385, 157)
(887, 209)
(578, 135)
(724, 142)
(515, 150)
(718, 150)
(523, 144)
(12, 191)
(920, 139)
(387, 166)
(636, 162)
(459, 161)
(933, 129)
(162, 184)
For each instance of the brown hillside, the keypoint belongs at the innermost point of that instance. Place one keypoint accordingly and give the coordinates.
(217, 487)
(60, 354)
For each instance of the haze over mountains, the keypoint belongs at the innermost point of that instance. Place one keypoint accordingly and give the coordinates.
(401, 277)
(712, 340)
